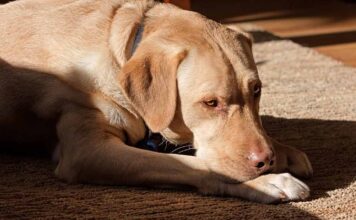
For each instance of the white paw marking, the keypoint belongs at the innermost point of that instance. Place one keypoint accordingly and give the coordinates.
(285, 187)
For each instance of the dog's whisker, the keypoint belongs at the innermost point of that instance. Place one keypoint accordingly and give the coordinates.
(162, 141)
(166, 144)
(177, 149)
(180, 152)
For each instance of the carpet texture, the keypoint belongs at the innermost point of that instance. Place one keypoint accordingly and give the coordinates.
(308, 101)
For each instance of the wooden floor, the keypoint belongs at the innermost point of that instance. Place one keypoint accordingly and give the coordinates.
(327, 26)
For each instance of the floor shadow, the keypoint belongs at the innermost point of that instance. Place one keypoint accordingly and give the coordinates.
(316, 40)
(330, 145)
(220, 10)
(260, 36)
(5, 1)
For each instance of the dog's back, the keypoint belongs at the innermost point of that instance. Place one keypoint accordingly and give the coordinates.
(37, 63)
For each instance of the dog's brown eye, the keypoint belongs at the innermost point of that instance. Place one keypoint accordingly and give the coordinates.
(211, 103)
(257, 91)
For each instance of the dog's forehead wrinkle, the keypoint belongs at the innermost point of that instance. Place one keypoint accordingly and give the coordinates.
(234, 47)
(202, 69)
(235, 54)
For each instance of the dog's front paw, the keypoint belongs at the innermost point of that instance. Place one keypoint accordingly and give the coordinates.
(271, 188)
(292, 160)
(275, 188)
(299, 164)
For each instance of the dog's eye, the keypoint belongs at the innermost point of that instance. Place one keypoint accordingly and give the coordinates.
(257, 91)
(211, 103)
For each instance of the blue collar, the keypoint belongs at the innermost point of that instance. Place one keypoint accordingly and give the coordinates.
(138, 38)
(156, 142)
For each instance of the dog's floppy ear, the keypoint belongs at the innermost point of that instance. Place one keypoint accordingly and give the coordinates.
(148, 81)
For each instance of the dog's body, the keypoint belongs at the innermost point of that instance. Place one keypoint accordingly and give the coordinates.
(67, 67)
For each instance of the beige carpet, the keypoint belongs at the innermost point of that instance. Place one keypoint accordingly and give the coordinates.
(308, 101)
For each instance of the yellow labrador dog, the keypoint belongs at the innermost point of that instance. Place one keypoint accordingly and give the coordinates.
(99, 72)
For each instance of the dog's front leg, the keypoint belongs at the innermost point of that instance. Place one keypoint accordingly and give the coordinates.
(91, 151)
(291, 160)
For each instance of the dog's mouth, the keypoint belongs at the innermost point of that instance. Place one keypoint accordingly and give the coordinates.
(156, 142)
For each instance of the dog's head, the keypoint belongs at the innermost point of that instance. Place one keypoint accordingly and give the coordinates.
(194, 80)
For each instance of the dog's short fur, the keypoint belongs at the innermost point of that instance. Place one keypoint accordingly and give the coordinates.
(66, 66)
